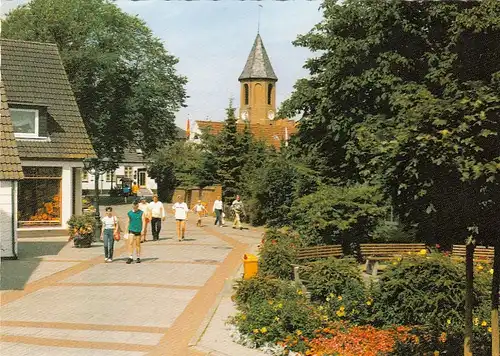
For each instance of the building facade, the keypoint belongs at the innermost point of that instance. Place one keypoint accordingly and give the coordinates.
(50, 136)
(257, 103)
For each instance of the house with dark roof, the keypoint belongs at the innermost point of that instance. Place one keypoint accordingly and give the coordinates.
(49, 135)
(133, 168)
(257, 102)
(10, 173)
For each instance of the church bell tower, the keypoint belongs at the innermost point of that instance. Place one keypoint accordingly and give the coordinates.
(258, 87)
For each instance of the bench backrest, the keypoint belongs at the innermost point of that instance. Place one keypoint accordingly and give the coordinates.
(389, 249)
(480, 252)
(319, 251)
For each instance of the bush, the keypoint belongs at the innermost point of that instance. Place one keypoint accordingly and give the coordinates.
(425, 290)
(271, 309)
(333, 275)
(387, 231)
(344, 215)
(277, 252)
(81, 229)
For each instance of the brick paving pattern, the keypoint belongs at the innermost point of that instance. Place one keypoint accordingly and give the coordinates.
(59, 300)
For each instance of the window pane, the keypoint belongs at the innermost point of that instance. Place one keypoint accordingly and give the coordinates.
(23, 121)
(39, 202)
(45, 172)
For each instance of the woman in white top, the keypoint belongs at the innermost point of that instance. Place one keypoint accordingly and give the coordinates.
(109, 228)
(145, 208)
(180, 210)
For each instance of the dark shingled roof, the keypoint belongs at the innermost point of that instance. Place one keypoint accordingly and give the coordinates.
(10, 163)
(258, 65)
(33, 74)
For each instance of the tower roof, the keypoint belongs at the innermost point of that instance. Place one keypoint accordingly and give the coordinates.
(258, 65)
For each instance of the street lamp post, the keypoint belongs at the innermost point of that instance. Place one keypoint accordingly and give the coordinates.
(97, 167)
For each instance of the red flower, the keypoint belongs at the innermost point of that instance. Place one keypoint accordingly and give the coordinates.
(438, 246)
(274, 242)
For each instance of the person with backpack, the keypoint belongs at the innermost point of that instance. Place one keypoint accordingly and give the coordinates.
(109, 229)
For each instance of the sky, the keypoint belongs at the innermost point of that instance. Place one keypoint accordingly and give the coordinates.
(212, 40)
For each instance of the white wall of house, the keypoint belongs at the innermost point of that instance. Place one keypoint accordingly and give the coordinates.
(66, 190)
(105, 179)
(8, 223)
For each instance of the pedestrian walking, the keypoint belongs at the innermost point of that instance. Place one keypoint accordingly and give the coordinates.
(144, 207)
(238, 209)
(135, 189)
(135, 230)
(109, 229)
(200, 210)
(157, 216)
(217, 209)
(126, 192)
(180, 209)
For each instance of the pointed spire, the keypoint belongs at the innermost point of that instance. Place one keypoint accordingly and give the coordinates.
(258, 65)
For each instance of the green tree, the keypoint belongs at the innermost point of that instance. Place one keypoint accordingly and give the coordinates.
(124, 80)
(176, 165)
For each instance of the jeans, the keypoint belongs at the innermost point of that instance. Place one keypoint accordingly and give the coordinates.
(109, 243)
(156, 228)
(218, 216)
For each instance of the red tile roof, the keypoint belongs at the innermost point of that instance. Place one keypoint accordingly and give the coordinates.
(273, 133)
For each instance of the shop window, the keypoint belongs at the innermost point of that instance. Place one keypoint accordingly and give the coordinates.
(39, 197)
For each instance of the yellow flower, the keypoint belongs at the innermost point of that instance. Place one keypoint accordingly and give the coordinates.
(444, 132)
(369, 302)
(263, 330)
(277, 318)
(394, 263)
(340, 313)
(448, 321)
(422, 252)
(489, 329)
(299, 292)
(491, 271)
(339, 297)
(476, 321)
(436, 353)
(331, 295)
(255, 331)
(480, 267)
(280, 305)
(327, 299)
(298, 332)
(243, 317)
(342, 308)
(484, 323)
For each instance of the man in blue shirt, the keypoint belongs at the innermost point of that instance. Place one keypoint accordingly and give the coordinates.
(135, 228)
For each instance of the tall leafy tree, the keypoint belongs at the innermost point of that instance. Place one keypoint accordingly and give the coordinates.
(406, 94)
(124, 80)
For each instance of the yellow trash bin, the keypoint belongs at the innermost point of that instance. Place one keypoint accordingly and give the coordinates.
(250, 266)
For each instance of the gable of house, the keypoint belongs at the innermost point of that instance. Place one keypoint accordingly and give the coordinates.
(36, 83)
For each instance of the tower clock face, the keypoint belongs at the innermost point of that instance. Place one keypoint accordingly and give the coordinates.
(270, 115)
(244, 115)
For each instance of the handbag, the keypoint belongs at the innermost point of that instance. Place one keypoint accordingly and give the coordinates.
(116, 233)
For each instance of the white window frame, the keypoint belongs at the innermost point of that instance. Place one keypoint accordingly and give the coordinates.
(131, 172)
(37, 124)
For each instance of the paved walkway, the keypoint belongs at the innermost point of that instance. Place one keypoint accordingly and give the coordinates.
(59, 300)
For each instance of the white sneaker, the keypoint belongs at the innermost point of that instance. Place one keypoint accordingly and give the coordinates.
(110, 260)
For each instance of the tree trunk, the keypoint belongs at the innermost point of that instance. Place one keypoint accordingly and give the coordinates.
(495, 289)
(469, 270)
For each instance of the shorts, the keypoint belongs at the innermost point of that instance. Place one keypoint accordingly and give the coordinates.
(180, 219)
(134, 233)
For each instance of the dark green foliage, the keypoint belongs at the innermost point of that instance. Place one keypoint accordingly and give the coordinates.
(338, 215)
(428, 291)
(278, 252)
(124, 80)
(392, 232)
(332, 276)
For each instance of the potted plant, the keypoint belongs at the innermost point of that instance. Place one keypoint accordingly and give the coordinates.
(81, 229)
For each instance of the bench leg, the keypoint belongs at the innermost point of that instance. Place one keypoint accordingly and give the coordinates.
(299, 283)
(375, 269)
(368, 267)
(296, 277)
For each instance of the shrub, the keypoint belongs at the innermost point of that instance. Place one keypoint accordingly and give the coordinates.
(271, 309)
(387, 231)
(344, 215)
(427, 291)
(333, 275)
(277, 252)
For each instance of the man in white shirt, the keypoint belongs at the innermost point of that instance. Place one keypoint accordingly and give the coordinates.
(217, 209)
(180, 209)
(157, 214)
(144, 207)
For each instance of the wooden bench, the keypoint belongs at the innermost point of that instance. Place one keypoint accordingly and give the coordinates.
(310, 253)
(373, 254)
(481, 253)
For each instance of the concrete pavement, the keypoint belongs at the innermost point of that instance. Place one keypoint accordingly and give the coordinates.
(59, 300)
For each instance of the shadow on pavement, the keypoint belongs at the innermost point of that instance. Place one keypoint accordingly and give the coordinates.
(16, 273)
